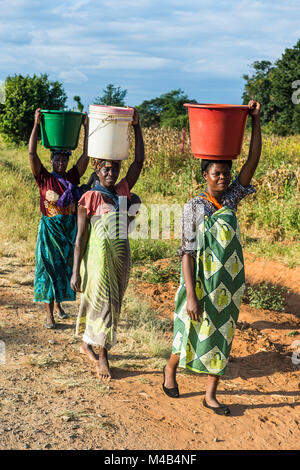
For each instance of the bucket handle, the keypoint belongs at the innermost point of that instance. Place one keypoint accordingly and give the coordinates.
(104, 122)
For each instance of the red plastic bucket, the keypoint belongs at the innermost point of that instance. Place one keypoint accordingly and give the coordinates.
(217, 130)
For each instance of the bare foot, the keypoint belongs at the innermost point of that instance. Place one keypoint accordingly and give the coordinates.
(88, 350)
(102, 369)
(50, 322)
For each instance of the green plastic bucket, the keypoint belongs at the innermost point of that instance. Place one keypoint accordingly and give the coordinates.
(60, 129)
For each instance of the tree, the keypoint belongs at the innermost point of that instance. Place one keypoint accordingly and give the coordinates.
(286, 73)
(167, 110)
(112, 96)
(258, 87)
(79, 104)
(277, 87)
(22, 96)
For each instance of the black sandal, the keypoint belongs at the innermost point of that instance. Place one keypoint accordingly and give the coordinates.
(171, 392)
(219, 410)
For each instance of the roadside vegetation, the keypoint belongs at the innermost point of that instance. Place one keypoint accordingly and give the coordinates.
(269, 219)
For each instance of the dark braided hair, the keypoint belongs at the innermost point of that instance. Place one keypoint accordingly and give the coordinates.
(64, 153)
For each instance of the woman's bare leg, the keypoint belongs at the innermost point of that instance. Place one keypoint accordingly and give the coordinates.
(170, 371)
(211, 389)
(59, 310)
(49, 314)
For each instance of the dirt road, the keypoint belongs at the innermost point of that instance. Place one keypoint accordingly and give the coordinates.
(51, 399)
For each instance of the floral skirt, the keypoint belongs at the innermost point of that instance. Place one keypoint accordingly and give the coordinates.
(54, 259)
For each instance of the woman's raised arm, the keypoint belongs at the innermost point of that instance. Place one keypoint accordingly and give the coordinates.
(135, 168)
(249, 167)
(35, 162)
(83, 161)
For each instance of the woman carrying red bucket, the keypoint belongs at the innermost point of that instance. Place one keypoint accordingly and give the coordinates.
(212, 281)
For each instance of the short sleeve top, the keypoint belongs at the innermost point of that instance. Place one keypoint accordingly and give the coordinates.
(197, 208)
(51, 190)
(97, 204)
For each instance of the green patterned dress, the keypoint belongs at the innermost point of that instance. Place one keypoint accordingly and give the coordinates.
(104, 271)
(205, 346)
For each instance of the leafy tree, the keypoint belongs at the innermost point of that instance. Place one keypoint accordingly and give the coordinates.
(79, 104)
(166, 110)
(286, 72)
(150, 112)
(22, 96)
(274, 86)
(112, 96)
(258, 87)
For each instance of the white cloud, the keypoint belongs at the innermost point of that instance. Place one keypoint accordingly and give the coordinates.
(120, 60)
(73, 76)
(180, 41)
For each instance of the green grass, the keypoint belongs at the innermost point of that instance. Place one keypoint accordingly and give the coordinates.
(152, 250)
(158, 275)
(285, 252)
(144, 337)
(43, 361)
(269, 220)
(267, 297)
(293, 333)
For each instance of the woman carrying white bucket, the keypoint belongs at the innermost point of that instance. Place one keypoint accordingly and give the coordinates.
(102, 255)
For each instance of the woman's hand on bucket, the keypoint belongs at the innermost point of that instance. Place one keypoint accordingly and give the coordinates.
(254, 108)
(85, 120)
(37, 116)
(135, 118)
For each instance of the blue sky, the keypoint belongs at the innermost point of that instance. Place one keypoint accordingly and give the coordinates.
(148, 47)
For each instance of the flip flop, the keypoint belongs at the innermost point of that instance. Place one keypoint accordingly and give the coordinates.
(171, 392)
(219, 410)
(50, 326)
(62, 315)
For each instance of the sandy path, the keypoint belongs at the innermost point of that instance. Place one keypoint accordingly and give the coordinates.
(51, 399)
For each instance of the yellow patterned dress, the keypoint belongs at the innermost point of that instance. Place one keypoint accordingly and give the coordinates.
(104, 270)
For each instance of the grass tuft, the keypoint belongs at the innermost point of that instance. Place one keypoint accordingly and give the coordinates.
(267, 297)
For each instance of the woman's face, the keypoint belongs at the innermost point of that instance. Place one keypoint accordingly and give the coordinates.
(109, 174)
(59, 163)
(218, 177)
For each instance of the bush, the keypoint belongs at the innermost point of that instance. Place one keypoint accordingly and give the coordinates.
(22, 96)
(267, 297)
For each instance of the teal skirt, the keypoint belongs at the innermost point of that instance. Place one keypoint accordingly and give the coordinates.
(54, 259)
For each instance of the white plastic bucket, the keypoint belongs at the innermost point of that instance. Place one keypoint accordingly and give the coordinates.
(109, 128)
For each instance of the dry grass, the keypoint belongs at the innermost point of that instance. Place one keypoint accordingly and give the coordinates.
(170, 175)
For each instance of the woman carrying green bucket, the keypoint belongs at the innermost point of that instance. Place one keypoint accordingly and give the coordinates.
(59, 195)
(212, 282)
